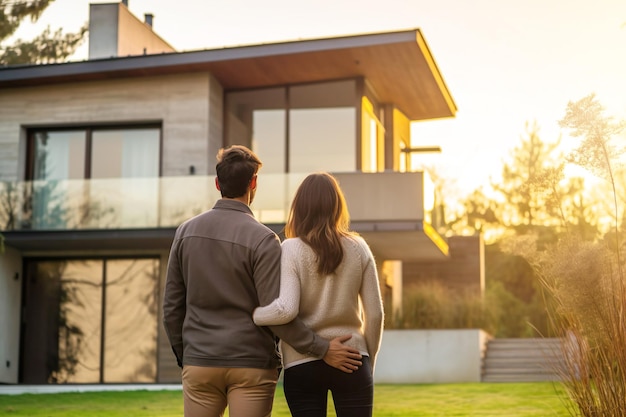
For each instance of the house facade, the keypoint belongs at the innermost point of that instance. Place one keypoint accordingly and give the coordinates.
(100, 160)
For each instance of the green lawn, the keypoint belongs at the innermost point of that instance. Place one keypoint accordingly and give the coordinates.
(484, 400)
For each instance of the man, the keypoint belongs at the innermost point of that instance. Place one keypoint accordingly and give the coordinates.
(223, 264)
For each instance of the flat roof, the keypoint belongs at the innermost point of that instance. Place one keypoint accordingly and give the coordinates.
(397, 65)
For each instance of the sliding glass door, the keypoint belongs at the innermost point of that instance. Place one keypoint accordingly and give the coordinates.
(90, 321)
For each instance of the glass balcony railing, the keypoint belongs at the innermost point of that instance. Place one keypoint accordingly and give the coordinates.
(165, 202)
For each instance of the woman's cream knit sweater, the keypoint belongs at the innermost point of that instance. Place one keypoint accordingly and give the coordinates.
(345, 302)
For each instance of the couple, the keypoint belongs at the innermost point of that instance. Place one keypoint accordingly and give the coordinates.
(321, 299)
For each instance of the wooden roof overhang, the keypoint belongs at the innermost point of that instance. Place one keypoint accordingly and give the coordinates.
(397, 65)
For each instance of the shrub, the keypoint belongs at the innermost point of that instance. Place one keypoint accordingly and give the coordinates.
(431, 305)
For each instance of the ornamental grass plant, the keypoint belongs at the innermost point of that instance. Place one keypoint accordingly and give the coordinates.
(585, 279)
(590, 304)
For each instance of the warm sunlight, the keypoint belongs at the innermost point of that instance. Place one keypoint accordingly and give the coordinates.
(207, 194)
(504, 62)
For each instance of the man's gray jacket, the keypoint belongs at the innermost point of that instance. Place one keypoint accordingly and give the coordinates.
(223, 263)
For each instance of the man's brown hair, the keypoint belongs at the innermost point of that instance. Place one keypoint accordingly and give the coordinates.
(236, 165)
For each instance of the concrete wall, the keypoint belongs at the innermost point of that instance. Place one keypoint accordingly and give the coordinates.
(10, 302)
(430, 356)
(364, 191)
(182, 103)
(103, 29)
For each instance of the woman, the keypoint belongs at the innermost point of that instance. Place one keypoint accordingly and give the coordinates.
(329, 280)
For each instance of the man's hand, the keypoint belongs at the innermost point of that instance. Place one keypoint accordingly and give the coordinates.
(343, 357)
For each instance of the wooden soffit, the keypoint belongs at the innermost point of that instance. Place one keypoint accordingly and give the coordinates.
(397, 65)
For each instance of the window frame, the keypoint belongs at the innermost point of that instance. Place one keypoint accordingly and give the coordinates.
(359, 91)
(29, 268)
(88, 129)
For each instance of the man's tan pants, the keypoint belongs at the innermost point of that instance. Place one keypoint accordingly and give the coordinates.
(248, 392)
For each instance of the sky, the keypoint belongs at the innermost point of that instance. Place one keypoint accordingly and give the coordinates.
(506, 63)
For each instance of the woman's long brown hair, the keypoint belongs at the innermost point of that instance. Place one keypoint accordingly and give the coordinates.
(319, 216)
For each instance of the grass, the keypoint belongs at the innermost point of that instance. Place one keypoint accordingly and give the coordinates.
(480, 399)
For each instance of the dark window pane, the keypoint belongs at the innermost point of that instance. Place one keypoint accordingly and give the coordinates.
(62, 332)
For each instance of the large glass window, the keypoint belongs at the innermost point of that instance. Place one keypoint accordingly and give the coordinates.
(60, 154)
(296, 129)
(121, 165)
(90, 321)
(322, 127)
(256, 119)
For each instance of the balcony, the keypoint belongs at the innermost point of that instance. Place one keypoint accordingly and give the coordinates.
(390, 210)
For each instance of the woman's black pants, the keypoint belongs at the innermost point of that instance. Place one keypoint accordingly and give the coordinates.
(306, 390)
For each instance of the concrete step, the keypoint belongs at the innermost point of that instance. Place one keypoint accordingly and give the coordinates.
(522, 360)
(526, 340)
(489, 364)
(521, 378)
(521, 367)
(524, 353)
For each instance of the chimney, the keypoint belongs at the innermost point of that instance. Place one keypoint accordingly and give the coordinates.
(125, 3)
(108, 20)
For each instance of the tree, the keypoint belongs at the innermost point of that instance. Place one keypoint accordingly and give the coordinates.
(48, 47)
(535, 202)
(597, 152)
(527, 205)
(478, 215)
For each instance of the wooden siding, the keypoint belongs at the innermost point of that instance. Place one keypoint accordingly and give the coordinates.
(216, 122)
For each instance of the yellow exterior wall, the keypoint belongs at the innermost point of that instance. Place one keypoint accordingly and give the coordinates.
(135, 36)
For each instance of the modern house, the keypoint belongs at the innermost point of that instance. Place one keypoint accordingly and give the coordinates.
(101, 159)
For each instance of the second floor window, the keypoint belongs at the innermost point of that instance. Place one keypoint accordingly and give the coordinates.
(59, 154)
(299, 128)
(92, 178)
